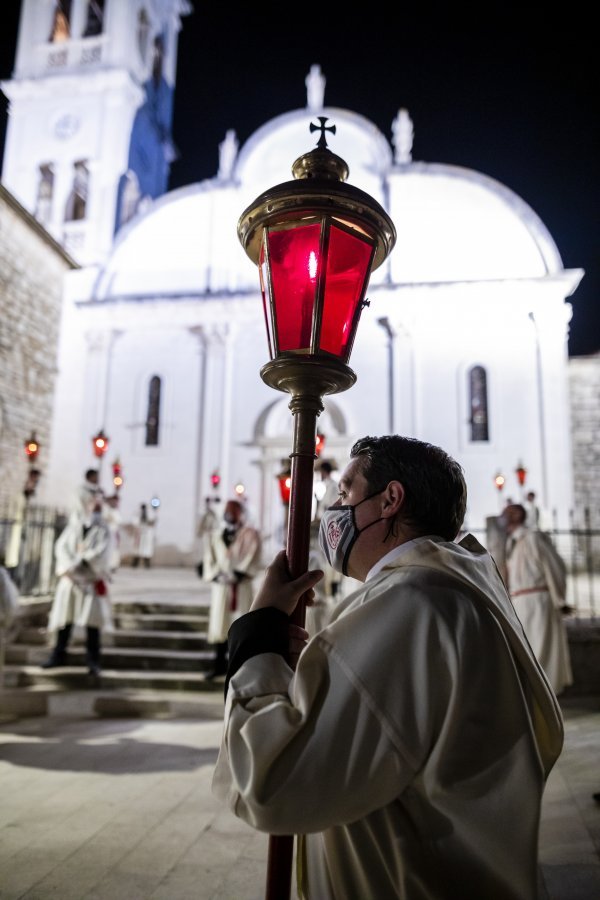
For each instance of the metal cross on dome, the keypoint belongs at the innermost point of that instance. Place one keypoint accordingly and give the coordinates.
(322, 143)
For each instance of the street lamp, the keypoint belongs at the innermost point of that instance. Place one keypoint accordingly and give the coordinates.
(315, 241)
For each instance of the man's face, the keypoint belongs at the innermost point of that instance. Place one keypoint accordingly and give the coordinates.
(512, 517)
(232, 513)
(353, 488)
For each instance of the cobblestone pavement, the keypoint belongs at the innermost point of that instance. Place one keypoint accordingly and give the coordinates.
(121, 809)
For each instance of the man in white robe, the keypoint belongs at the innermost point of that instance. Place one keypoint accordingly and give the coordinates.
(537, 581)
(145, 530)
(410, 748)
(231, 555)
(82, 553)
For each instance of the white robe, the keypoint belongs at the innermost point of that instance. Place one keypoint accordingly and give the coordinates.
(410, 748)
(221, 562)
(145, 537)
(533, 562)
(76, 601)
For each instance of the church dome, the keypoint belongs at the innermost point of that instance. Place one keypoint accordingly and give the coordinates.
(453, 224)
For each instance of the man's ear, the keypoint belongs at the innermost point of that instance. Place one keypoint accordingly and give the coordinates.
(392, 499)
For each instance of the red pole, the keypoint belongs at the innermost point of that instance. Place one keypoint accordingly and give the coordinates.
(305, 410)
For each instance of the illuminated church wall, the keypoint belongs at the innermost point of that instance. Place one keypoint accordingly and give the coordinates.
(464, 344)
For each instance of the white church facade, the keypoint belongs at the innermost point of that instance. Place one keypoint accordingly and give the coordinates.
(464, 343)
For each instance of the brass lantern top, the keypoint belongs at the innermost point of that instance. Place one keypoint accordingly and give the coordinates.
(319, 186)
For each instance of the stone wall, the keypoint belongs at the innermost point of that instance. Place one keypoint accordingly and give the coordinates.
(32, 268)
(584, 386)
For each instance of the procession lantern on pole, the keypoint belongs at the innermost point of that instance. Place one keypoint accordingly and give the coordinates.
(320, 443)
(315, 241)
(100, 444)
(499, 481)
(117, 471)
(521, 473)
(32, 448)
(215, 480)
(284, 479)
(239, 489)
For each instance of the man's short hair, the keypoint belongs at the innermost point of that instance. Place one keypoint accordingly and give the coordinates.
(91, 475)
(515, 512)
(435, 489)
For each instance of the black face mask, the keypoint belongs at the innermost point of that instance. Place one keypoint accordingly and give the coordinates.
(338, 533)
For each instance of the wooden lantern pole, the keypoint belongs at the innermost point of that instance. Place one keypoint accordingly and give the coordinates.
(307, 381)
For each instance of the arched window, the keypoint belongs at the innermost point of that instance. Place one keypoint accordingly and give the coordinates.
(77, 202)
(478, 404)
(61, 22)
(95, 18)
(45, 191)
(153, 413)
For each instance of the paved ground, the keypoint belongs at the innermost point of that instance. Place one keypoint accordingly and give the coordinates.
(121, 809)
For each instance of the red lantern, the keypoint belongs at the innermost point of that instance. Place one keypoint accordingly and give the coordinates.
(316, 241)
(320, 443)
(100, 444)
(215, 479)
(499, 480)
(284, 480)
(521, 473)
(285, 486)
(32, 448)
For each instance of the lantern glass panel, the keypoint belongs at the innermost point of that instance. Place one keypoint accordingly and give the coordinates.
(264, 287)
(294, 263)
(348, 265)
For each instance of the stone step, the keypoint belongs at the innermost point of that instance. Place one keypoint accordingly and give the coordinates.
(165, 607)
(70, 678)
(160, 622)
(161, 640)
(113, 657)
(130, 703)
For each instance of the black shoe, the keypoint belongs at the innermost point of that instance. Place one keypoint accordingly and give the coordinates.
(55, 660)
(215, 673)
(94, 669)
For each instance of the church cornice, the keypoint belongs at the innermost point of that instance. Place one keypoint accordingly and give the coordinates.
(72, 84)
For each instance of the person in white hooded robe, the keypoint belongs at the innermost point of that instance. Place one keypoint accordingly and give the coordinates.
(231, 554)
(409, 749)
(82, 553)
(537, 581)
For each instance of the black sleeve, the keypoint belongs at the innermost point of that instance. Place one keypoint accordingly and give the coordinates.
(259, 631)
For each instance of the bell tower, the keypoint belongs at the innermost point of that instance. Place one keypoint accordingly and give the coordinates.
(88, 141)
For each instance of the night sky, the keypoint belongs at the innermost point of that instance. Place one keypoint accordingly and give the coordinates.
(513, 97)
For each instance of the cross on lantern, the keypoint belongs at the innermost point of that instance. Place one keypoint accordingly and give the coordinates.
(322, 144)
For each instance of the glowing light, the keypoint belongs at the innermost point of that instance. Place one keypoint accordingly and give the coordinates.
(240, 489)
(313, 264)
(499, 480)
